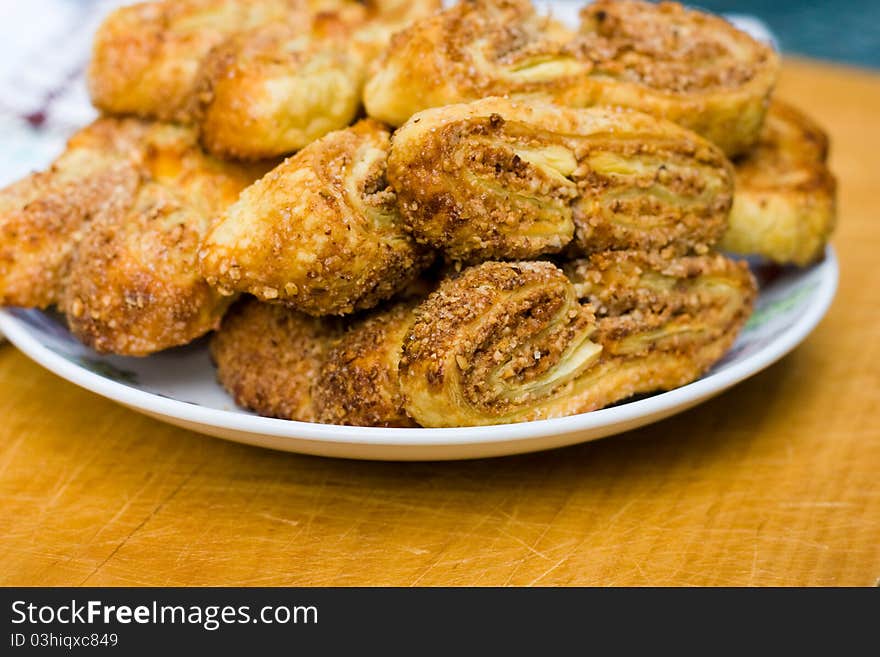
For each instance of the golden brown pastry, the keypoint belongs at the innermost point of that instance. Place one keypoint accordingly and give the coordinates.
(110, 233)
(511, 342)
(784, 208)
(358, 383)
(393, 15)
(476, 48)
(506, 179)
(44, 216)
(268, 356)
(686, 66)
(134, 286)
(685, 311)
(321, 232)
(275, 89)
(259, 77)
(683, 65)
(146, 56)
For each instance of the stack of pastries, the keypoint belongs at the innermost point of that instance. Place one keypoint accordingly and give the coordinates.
(483, 216)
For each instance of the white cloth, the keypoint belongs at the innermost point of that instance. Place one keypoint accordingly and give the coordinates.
(44, 48)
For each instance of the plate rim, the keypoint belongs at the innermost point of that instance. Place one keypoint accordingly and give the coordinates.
(659, 405)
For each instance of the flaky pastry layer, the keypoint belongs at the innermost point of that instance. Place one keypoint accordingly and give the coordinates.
(320, 232)
(682, 65)
(785, 206)
(268, 356)
(506, 179)
(511, 342)
(110, 233)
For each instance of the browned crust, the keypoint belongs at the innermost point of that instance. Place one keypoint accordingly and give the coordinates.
(44, 216)
(358, 383)
(686, 66)
(503, 179)
(321, 232)
(268, 356)
(785, 203)
(510, 342)
(111, 233)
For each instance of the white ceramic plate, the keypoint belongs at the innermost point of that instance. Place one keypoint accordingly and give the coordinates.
(179, 386)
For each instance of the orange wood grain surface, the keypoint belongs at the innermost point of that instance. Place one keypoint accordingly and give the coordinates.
(776, 482)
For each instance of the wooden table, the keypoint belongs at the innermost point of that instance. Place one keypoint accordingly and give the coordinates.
(776, 482)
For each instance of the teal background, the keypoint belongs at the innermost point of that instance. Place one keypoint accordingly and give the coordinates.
(845, 31)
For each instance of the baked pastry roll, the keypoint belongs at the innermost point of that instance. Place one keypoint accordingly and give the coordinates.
(110, 234)
(357, 383)
(146, 56)
(268, 356)
(503, 179)
(134, 285)
(683, 65)
(320, 232)
(260, 78)
(275, 89)
(784, 208)
(511, 342)
(690, 67)
(474, 49)
(44, 216)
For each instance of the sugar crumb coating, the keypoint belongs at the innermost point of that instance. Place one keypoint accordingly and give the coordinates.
(321, 232)
(512, 342)
(267, 357)
(110, 234)
(785, 205)
(274, 89)
(358, 382)
(258, 78)
(646, 302)
(146, 56)
(687, 66)
(504, 179)
(44, 216)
